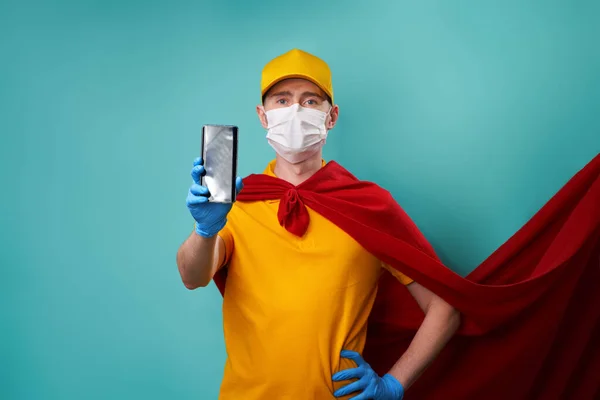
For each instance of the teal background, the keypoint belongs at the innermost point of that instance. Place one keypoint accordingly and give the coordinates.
(473, 113)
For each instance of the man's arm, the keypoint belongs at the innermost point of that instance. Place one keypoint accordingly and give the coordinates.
(440, 323)
(203, 252)
(199, 258)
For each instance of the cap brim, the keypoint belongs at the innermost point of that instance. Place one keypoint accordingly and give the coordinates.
(295, 76)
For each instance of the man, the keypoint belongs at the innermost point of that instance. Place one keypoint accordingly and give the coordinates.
(296, 306)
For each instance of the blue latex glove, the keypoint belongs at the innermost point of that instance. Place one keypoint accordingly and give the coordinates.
(210, 217)
(369, 384)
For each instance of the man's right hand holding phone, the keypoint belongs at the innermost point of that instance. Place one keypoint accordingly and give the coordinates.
(210, 217)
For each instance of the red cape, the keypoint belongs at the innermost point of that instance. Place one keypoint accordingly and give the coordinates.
(530, 312)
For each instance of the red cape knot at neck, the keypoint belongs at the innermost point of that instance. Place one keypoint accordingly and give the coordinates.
(292, 213)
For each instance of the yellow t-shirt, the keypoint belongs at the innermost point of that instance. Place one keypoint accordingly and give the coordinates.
(292, 304)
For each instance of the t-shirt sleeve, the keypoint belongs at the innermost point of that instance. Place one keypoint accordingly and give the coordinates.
(405, 280)
(227, 237)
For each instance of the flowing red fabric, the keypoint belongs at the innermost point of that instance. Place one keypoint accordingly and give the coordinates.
(530, 312)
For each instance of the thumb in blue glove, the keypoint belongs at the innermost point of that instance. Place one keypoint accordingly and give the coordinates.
(369, 384)
(210, 217)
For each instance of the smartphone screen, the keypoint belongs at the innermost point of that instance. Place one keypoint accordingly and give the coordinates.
(219, 153)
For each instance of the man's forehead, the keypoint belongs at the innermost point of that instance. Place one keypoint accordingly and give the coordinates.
(296, 85)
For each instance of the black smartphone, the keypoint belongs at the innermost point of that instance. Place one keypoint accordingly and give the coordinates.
(219, 153)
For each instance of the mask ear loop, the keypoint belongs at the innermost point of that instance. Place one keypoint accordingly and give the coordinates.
(327, 129)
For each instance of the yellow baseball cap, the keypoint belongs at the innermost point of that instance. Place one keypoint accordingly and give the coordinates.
(297, 64)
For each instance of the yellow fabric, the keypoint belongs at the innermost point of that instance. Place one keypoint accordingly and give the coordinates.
(297, 64)
(291, 304)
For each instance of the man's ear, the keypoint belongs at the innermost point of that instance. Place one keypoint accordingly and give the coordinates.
(332, 118)
(262, 116)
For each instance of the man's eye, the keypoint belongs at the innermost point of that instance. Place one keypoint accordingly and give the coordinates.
(281, 101)
(311, 102)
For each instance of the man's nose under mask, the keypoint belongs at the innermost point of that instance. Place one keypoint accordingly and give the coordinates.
(296, 133)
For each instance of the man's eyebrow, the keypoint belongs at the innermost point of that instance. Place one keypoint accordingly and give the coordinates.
(313, 94)
(281, 93)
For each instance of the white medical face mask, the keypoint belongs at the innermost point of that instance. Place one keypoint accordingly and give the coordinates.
(296, 133)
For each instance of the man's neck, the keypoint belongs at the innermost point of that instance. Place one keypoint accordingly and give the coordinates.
(297, 173)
